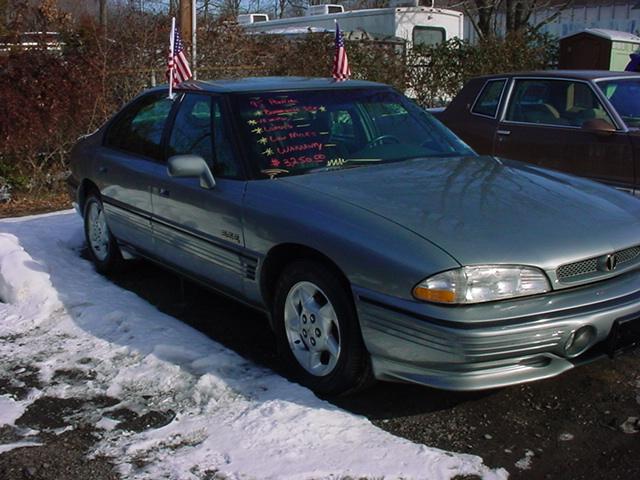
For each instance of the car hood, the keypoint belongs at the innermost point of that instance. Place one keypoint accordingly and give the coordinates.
(484, 210)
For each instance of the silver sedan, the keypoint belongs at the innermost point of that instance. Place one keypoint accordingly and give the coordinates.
(378, 244)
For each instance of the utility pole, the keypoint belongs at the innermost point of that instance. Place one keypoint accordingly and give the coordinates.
(188, 28)
(194, 31)
(103, 14)
(185, 19)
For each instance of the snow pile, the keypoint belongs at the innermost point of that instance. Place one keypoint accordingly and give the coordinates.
(10, 410)
(30, 285)
(223, 413)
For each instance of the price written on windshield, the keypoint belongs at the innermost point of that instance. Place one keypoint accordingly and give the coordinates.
(282, 127)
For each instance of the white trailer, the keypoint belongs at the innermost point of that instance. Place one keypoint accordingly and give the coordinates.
(417, 25)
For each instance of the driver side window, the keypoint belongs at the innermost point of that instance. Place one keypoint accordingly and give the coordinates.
(554, 102)
(199, 129)
(192, 128)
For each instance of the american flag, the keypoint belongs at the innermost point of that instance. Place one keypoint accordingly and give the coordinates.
(178, 69)
(341, 70)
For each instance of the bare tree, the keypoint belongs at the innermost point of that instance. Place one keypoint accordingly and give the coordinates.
(517, 14)
(482, 14)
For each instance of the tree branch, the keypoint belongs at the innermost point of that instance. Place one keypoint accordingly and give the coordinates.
(473, 21)
(552, 17)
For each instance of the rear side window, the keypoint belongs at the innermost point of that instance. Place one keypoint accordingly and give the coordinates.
(489, 99)
(139, 128)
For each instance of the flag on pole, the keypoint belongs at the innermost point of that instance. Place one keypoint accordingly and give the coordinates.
(341, 70)
(178, 69)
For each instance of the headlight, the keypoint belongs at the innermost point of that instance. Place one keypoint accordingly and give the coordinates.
(483, 283)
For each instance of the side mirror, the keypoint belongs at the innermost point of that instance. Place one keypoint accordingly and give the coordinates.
(599, 126)
(191, 166)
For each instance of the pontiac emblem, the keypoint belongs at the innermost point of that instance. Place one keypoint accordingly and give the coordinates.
(610, 262)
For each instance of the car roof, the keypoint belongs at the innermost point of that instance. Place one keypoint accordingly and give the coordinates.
(274, 84)
(579, 74)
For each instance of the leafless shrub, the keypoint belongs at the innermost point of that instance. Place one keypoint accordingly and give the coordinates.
(50, 97)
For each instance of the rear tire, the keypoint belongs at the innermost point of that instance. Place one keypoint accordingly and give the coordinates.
(317, 330)
(102, 245)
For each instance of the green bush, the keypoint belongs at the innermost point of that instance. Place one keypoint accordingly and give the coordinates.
(437, 73)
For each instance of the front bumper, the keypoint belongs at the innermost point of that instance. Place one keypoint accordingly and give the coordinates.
(490, 345)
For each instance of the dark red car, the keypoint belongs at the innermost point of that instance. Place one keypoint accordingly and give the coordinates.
(582, 122)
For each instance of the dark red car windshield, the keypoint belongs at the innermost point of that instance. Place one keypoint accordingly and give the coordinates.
(624, 95)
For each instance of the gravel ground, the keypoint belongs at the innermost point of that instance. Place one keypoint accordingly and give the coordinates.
(581, 425)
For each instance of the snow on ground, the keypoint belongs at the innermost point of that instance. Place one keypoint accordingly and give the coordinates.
(231, 416)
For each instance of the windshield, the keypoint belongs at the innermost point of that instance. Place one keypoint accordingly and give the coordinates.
(293, 133)
(624, 95)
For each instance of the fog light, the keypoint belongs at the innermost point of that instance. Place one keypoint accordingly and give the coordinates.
(579, 340)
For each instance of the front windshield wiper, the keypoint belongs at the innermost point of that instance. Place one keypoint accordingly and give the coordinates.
(440, 155)
(340, 163)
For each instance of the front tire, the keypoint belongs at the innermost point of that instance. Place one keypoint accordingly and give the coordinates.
(103, 247)
(317, 330)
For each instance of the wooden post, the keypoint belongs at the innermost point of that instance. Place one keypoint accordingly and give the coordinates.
(185, 20)
(194, 41)
(103, 14)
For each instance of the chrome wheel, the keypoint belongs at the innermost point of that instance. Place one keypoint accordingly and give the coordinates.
(312, 328)
(97, 231)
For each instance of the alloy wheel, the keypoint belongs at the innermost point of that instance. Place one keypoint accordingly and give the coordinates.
(312, 328)
(98, 232)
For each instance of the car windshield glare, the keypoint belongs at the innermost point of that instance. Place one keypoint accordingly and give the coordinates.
(624, 95)
(298, 132)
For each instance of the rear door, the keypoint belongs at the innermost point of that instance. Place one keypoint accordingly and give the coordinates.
(542, 124)
(472, 115)
(126, 165)
(481, 127)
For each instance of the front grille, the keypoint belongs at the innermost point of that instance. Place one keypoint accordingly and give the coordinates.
(575, 271)
(628, 255)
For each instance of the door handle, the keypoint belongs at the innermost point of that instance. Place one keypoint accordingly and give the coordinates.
(165, 193)
(503, 132)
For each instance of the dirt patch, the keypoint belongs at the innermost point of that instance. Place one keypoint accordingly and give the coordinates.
(32, 204)
(9, 434)
(52, 412)
(61, 457)
(21, 380)
(73, 375)
(152, 419)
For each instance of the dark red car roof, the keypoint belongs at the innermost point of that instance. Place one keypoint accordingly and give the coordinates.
(580, 74)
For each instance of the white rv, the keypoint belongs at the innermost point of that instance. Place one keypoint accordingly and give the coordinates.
(416, 24)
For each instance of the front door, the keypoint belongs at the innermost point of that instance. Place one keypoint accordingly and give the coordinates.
(195, 229)
(543, 124)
